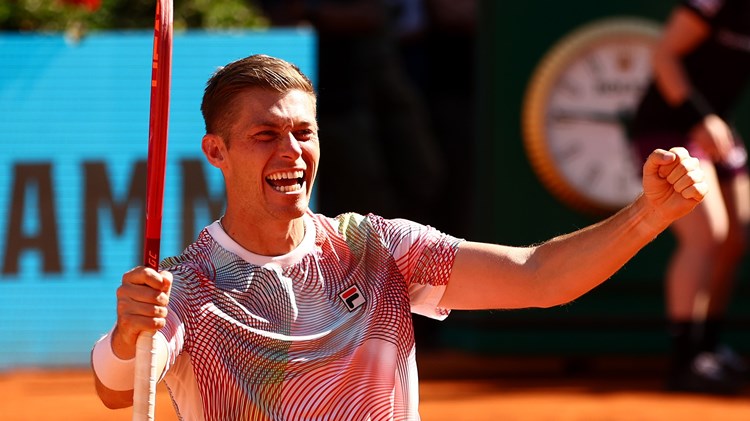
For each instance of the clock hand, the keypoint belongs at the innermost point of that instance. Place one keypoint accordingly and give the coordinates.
(587, 116)
(622, 117)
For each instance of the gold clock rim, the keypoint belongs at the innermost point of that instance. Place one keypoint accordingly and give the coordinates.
(538, 89)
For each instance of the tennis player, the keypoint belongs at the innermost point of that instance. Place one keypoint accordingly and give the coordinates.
(278, 313)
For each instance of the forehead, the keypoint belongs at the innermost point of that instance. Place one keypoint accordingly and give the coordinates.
(257, 103)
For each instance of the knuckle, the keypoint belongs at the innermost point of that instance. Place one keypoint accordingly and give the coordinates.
(162, 298)
(121, 307)
(158, 323)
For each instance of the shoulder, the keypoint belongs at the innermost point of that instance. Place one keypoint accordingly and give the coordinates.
(356, 224)
(195, 258)
(341, 224)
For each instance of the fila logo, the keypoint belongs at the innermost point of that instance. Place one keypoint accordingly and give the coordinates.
(352, 297)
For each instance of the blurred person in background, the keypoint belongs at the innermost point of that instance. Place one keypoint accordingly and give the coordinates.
(436, 40)
(700, 67)
(377, 127)
(375, 123)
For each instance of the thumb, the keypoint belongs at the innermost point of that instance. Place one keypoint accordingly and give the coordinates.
(658, 162)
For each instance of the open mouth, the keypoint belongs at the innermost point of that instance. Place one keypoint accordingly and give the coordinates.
(287, 181)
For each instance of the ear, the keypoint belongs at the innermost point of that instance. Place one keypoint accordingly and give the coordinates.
(214, 148)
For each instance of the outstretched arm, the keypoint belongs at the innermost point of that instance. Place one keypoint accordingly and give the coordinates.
(490, 276)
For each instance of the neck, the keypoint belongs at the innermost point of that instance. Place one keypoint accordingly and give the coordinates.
(266, 239)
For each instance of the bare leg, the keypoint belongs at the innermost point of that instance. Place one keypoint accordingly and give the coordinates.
(736, 193)
(699, 236)
(710, 242)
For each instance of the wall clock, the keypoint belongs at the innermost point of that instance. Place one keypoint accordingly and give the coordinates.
(576, 111)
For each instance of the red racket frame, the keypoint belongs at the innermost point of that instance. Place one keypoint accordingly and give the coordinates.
(144, 390)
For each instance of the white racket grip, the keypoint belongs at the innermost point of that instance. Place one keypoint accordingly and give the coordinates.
(144, 388)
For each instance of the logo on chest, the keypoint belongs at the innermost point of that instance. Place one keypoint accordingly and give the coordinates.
(352, 297)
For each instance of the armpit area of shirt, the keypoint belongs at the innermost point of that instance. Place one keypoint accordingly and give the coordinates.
(425, 300)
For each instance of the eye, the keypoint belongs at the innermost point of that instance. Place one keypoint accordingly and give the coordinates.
(266, 135)
(304, 134)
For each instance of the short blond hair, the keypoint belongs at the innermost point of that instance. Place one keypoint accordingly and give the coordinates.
(256, 71)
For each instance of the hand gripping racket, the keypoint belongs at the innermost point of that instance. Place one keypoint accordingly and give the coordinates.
(144, 388)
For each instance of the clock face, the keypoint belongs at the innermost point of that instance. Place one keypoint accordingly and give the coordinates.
(577, 109)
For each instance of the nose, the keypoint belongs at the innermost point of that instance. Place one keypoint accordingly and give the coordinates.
(290, 146)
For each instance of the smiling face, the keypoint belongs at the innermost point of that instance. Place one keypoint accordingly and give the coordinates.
(270, 157)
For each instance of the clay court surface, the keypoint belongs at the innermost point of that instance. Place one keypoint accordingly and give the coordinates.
(452, 388)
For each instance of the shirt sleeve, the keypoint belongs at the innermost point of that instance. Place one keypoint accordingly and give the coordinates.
(424, 257)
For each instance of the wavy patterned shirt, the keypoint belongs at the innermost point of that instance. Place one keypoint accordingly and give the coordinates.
(321, 333)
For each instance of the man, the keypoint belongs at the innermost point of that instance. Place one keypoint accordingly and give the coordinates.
(279, 313)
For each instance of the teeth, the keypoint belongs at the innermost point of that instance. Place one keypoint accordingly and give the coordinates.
(287, 189)
(286, 175)
(287, 181)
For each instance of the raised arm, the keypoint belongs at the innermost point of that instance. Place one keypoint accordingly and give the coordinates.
(683, 32)
(142, 300)
(489, 276)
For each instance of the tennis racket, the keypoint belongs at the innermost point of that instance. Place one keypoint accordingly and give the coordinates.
(144, 387)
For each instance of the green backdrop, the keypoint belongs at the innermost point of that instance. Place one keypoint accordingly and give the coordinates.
(625, 315)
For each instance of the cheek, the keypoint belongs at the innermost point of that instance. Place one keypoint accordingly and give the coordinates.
(311, 155)
(244, 172)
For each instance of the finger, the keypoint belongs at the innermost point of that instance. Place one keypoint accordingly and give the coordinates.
(674, 173)
(692, 184)
(134, 317)
(686, 180)
(657, 159)
(142, 294)
(166, 279)
(679, 154)
(696, 191)
(142, 275)
(149, 311)
(132, 307)
(682, 168)
(130, 325)
(673, 159)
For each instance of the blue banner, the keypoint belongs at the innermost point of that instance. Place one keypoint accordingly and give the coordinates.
(74, 116)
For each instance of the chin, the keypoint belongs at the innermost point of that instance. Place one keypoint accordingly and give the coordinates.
(297, 209)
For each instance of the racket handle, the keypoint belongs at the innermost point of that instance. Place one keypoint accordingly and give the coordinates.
(144, 388)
